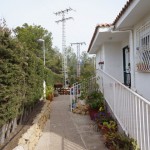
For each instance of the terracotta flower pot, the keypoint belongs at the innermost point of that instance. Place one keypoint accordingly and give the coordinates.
(50, 97)
(92, 113)
(100, 126)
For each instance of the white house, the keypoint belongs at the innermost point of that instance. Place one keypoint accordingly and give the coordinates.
(125, 45)
(123, 63)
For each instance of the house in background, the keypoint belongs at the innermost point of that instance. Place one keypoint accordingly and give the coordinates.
(108, 46)
(123, 48)
(123, 64)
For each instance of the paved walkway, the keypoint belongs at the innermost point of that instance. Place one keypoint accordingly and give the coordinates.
(68, 131)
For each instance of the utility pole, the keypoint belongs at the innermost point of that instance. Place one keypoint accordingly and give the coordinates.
(78, 56)
(64, 60)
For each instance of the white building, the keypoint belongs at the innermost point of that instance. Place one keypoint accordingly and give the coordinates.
(123, 64)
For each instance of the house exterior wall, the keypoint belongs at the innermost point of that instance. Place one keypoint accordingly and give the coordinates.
(121, 99)
(125, 43)
(114, 60)
(97, 59)
(100, 58)
(142, 79)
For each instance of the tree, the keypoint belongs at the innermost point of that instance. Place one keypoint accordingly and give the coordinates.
(54, 61)
(87, 66)
(22, 70)
(29, 34)
(72, 65)
(11, 75)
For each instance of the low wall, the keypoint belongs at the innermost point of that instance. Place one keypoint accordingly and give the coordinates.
(29, 139)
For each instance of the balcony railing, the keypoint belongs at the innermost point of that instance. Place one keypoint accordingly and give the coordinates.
(130, 109)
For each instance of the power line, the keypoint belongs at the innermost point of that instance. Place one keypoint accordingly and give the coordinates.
(64, 60)
(78, 56)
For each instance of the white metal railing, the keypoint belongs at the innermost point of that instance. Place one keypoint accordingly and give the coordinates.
(130, 109)
(74, 94)
(75, 91)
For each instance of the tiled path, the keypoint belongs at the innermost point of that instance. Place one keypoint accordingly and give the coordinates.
(68, 131)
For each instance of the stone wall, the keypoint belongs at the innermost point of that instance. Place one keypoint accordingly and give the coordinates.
(29, 139)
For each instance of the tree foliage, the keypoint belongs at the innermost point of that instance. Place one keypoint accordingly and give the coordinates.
(72, 65)
(86, 66)
(22, 70)
(11, 75)
(29, 34)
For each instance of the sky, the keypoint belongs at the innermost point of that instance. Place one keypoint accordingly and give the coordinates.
(86, 15)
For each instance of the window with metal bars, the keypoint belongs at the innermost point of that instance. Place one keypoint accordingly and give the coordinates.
(143, 48)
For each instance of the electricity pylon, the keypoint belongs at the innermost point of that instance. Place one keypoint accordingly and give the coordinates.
(78, 56)
(64, 53)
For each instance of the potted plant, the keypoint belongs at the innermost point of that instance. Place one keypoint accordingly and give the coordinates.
(49, 93)
(103, 117)
(118, 141)
(101, 62)
(93, 108)
(109, 126)
(95, 101)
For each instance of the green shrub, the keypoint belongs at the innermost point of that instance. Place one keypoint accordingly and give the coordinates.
(95, 100)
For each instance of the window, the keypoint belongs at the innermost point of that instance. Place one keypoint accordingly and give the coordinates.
(143, 48)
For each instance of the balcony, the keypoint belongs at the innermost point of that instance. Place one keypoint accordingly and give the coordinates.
(130, 109)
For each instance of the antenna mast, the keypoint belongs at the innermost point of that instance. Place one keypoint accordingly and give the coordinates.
(78, 56)
(64, 60)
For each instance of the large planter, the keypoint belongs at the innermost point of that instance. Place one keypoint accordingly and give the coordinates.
(93, 113)
(100, 126)
(50, 97)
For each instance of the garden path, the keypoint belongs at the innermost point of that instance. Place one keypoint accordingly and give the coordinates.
(68, 131)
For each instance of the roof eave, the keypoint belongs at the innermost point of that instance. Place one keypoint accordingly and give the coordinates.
(122, 11)
(101, 26)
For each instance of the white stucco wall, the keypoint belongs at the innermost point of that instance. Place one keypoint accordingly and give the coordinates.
(125, 43)
(99, 57)
(114, 60)
(143, 84)
(142, 80)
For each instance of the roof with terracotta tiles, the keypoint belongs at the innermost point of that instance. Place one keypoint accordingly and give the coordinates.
(96, 29)
(122, 11)
(109, 25)
(104, 25)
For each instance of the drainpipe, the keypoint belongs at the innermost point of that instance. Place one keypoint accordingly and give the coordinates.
(132, 54)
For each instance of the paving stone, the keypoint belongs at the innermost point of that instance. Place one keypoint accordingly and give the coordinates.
(68, 131)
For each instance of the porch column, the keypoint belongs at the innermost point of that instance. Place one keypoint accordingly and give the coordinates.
(132, 59)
